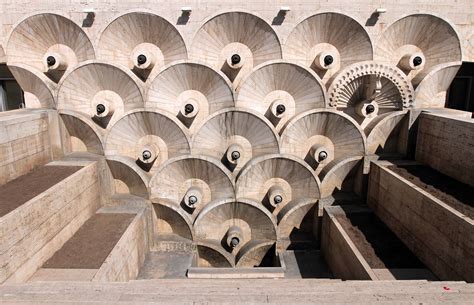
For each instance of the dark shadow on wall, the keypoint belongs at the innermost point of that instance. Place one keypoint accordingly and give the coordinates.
(311, 264)
(184, 18)
(11, 94)
(279, 18)
(372, 19)
(89, 20)
(460, 94)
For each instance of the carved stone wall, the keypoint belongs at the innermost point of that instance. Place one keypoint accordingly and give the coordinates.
(231, 133)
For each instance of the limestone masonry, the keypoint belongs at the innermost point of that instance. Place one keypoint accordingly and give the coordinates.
(209, 146)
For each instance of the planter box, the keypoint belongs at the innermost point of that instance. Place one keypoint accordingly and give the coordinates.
(440, 236)
(24, 142)
(447, 145)
(342, 256)
(127, 257)
(34, 231)
(123, 262)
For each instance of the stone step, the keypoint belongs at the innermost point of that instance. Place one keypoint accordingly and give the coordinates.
(238, 292)
(50, 274)
(199, 285)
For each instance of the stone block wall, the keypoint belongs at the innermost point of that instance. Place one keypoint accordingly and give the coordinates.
(24, 142)
(447, 145)
(33, 232)
(440, 236)
(458, 12)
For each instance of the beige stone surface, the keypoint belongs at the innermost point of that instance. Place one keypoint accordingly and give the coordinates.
(189, 83)
(127, 257)
(458, 13)
(223, 124)
(127, 36)
(445, 143)
(239, 130)
(342, 256)
(328, 34)
(276, 83)
(42, 36)
(440, 236)
(24, 142)
(38, 88)
(94, 83)
(431, 38)
(34, 231)
(244, 291)
(229, 273)
(53, 275)
(431, 92)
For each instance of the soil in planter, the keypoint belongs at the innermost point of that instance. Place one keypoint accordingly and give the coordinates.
(380, 247)
(26, 187)
(456, 194)
(92, 243)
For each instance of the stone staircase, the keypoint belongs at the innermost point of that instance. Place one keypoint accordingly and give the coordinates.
(281, 291)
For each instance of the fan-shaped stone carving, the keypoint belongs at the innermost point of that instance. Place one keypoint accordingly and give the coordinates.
(82, 134)
(235, 136)
(334, 175)
(291, 216)
(147, 138)
(190, 91)
(417, 43)
(190, 183)
(431, 91)
(379, 130)
(235, 42)
(367, 89)
(211, 254)
(50, 43)
(252, 254)
(231, 155)
(328, 42)
(141, 41)
(280, 90)
(101, 91)
(171, 221)
(322, 137)
(128, 178)
(237, 227)
(37, 87)
(276, 180)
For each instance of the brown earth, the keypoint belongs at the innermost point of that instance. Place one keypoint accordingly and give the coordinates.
(456, 194)
(380, 247)
(26, 187)
(92, 243)
(358, 238)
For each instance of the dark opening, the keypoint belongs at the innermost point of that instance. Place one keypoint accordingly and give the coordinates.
(141, 59)
(280, 109)
(100, 108)
(146, 154)
(51, 61)
(369, 109)
(417, 61)
(188, 108)
(235, 59)
(235, 155)
(460, 94)
(328, 59)
(11, 95)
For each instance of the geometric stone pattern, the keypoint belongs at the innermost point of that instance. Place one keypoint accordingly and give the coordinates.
(232, 137)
